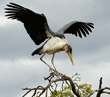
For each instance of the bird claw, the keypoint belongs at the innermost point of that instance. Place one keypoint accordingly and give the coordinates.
(50, 69)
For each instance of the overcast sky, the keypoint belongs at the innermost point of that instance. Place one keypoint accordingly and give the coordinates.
(18, 69)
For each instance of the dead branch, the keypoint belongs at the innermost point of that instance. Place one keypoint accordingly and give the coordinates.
(51, 79)
(55, 77)
(100, 90)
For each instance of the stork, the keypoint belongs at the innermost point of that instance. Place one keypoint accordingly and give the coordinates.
(38, 29)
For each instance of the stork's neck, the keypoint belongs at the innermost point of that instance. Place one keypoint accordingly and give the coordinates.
(68, 48)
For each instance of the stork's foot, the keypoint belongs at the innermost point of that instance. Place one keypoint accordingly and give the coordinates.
(55, 68)
(52, 70)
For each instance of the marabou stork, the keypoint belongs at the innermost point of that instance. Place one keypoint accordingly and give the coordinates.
(37, 27)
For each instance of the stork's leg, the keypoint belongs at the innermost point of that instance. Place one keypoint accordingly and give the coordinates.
(44, 61)
(52, 61)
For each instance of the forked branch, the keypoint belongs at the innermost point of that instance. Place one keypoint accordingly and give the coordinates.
(55, 77)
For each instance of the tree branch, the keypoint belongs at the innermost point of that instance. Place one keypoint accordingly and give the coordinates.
(100, 90)
(51, 79)
(55, 77)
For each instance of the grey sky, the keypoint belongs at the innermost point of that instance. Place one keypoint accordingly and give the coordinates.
(19, 69)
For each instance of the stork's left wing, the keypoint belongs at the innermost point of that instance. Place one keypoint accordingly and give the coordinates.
(77, 28)
(35, 24)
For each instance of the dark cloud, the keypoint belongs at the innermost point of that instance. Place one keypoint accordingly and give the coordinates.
(14, 42)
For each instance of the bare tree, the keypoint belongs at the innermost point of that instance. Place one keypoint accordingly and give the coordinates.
(52, 85)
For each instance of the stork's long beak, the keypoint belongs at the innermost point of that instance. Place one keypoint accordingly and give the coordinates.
(71, 57)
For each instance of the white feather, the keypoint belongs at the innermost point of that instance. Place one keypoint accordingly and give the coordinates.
(54, 45)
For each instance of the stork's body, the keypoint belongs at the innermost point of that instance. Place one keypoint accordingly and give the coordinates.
(55, 45)
(37, 27)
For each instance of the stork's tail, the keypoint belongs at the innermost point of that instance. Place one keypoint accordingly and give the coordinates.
(37, 51)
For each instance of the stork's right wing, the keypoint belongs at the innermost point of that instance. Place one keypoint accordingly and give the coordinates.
(77, 28)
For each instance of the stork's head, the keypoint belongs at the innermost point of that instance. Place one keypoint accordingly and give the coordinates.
(68, 50)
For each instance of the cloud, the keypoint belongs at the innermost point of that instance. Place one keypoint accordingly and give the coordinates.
(20, 73)
(6, 22)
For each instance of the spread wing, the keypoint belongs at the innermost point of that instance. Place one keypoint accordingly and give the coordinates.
(77, 28)
(34, 23)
